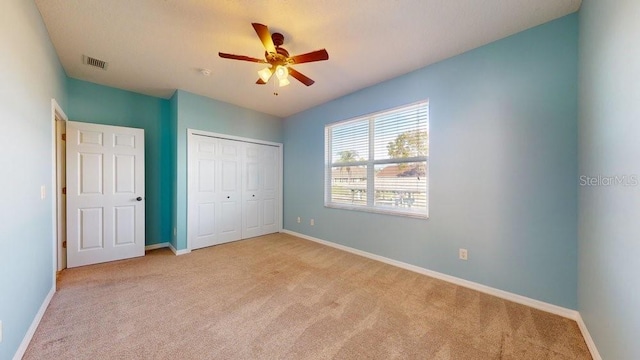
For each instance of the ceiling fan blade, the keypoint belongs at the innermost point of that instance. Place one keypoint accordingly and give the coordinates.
(317, 55)
(265, 37)
(241, 57)
(260, 82)
(300, 77)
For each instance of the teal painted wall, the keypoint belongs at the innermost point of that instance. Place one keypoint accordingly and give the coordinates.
(88, 102)
(609, 128)
(201, 113)
(503, 150)
(30, 76)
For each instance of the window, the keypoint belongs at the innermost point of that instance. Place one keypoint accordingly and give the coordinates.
(379, 162)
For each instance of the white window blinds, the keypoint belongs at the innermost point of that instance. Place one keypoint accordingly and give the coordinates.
(379, 162)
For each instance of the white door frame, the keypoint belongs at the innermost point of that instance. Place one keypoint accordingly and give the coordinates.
(194, 132)
(56, 115)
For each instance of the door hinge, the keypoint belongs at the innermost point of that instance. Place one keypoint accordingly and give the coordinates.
(64, 244)
(64, 137)
(64, 190)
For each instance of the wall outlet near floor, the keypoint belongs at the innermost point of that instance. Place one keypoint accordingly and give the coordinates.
(462, 254)
(312, 222)
(0, 331)
(299, 220)
(43, 192)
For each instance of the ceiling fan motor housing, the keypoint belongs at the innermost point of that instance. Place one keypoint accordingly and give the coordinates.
(278, 39)
(281, 56)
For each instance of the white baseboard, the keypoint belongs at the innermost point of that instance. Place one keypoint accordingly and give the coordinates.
(179, 252)
(156, 246)
(587, 339)
(164, 245)
(34, 324)
(536, 304)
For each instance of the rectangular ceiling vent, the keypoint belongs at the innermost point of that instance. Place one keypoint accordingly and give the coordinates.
(88, 60)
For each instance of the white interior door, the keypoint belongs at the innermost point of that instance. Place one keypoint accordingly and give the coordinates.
(105, 193)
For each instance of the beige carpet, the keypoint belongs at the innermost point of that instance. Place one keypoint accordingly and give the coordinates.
(281, 297)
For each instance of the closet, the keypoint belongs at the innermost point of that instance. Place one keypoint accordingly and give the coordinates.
(234, 188)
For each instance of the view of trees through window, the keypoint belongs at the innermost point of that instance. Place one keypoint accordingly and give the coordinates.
(387, 173)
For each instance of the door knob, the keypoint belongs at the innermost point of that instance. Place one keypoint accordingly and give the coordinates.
(139, 198)
(228, 197)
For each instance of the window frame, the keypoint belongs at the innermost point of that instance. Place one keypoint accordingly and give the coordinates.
(371, 163)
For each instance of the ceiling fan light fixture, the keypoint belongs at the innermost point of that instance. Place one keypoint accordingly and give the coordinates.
(265, 74)
(282, 73)
(284, 82)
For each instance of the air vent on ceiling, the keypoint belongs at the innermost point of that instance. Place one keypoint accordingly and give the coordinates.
(95, 62)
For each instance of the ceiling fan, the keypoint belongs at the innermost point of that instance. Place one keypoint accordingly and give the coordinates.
(278, 58)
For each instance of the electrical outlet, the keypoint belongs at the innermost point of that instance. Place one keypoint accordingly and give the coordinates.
(299, 219)
(175, 231)
(312, 222)
(462, 254)
(43, 192)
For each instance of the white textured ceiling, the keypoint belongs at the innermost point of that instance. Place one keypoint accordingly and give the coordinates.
(157, 46)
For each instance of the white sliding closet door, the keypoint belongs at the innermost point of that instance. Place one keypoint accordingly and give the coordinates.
(214, 192)
(234, 189)
(271, 189)
(251, 194)
(260, 190)
(231, 201)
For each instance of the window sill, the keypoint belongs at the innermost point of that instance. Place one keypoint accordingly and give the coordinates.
(407, 214)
